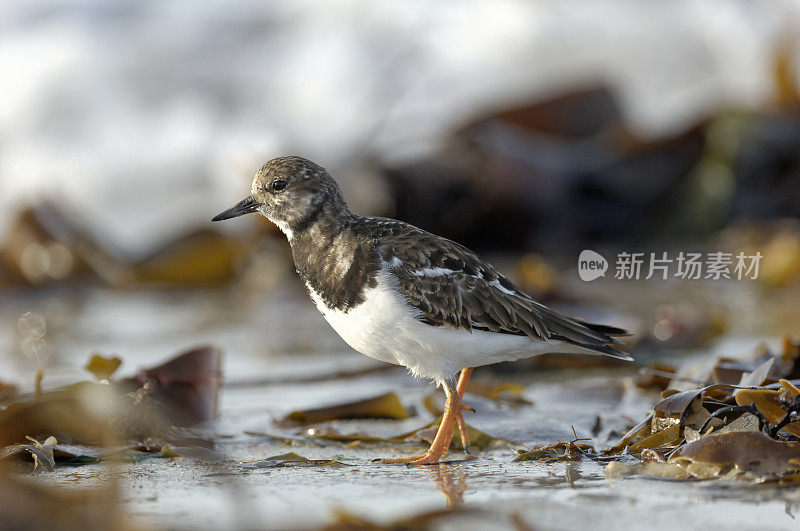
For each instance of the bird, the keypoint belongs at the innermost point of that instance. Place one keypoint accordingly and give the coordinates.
(405, 296)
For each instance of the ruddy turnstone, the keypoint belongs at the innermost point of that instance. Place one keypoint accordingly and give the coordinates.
(405, 296)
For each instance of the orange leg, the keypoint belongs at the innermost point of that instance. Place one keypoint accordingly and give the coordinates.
(462, 426)
(452, 414)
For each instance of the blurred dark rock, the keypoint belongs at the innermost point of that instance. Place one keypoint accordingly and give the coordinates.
(551, 176)
(563, 174)
(578, 114)
(767, 168)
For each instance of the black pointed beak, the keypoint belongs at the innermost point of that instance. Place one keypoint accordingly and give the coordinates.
(248, 205)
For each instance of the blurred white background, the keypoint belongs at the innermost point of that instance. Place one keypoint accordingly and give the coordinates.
(149, 117)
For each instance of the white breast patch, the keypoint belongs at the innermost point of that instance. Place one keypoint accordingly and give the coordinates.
(385, 327)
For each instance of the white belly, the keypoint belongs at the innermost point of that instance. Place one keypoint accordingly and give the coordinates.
(385, 327)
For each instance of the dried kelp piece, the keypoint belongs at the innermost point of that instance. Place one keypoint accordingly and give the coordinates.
(749, 427)
(767, 401)
(44, 245)
(332, 435)
(507, 392)
(670, 416)
(726, 370)
(433, 404)
(81, 410)
(289, 441)
(682, 410)
(637, 433)
(336, 375)
(731, 370)
(789, 402)
(668, 436)
(97, 413)
(792, 428)
(88, 413)
(562, 451)
(791, 389)
(42, 453)
(671, 410)
(201, 258)
(698, 417)
(738, 451)
(387, 406)
(138, 417)
(415, 431)
(682, 414)
(718, 393)
(190, 452)
(775, 405)
(103, 367)
(34, 506)
(185, 388)
(573, 450)
(477, 439)
(758, 376)
(51, 452)
(292, 459)
(689, 435)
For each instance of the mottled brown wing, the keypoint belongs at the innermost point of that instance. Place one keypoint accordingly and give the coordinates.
(452, 286)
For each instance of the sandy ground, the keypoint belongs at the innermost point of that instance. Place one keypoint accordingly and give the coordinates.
(270, 342)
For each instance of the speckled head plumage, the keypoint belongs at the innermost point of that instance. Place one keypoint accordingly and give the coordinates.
(293, 193)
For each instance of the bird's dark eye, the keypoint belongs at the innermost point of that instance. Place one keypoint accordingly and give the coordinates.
(277, 185)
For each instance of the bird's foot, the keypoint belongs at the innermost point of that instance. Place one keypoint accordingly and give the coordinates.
(430, 457)
(442, 441)
(451, 417)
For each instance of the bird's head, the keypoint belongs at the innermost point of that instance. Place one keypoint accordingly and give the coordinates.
(291, 192)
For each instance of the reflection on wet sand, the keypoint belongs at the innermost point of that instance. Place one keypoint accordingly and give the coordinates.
(571, 474)
(449, 480)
